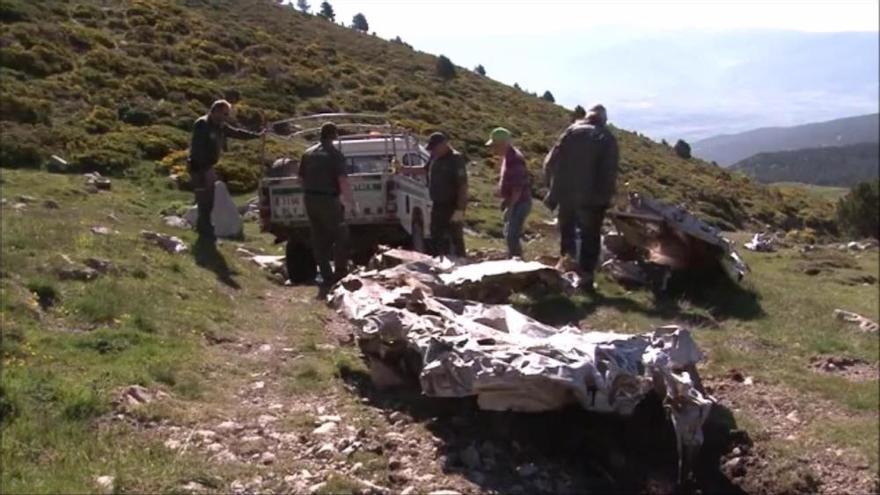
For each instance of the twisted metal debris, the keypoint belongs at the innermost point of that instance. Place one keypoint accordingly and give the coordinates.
(442, 322)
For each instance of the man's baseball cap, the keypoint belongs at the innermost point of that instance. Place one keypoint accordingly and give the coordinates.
(436, 139)
(498, 134)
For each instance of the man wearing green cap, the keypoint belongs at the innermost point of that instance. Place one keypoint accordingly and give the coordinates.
(513, 188)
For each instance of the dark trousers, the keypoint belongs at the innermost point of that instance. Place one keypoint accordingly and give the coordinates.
(330, 237)
(203, 187)
(447, 238)
(589, 220)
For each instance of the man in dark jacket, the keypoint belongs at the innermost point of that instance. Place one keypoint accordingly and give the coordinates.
(581, 171)
(208, 140)
(448, 185)
(324, 179)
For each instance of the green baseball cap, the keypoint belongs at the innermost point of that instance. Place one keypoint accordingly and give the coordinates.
(499, 134)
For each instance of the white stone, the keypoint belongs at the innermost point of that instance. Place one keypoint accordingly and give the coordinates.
(267, 458)
(329, 418)
(105, 483)
(325, 428)
(326, 451)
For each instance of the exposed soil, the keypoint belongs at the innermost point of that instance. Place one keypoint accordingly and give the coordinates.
(852, 369)
(761, 470)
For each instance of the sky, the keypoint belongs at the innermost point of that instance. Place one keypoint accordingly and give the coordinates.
(617, 51)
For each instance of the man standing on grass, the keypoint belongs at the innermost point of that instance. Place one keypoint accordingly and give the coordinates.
(448, 186)
(324, 179)
(208, 140)
(581, 171)
(513, 188)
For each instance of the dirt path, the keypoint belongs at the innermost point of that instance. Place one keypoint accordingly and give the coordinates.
(289, 409)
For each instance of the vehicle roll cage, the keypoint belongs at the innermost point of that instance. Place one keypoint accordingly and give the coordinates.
(365, 125)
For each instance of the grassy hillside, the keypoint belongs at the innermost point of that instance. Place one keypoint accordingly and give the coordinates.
(115, 87)
(832, 166)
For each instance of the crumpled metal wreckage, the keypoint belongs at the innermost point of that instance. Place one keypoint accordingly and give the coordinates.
(434, 318)
(762, 242)
(654, 233)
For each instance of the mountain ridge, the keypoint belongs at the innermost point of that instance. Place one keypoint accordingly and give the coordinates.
(828, 166)
(728, 149)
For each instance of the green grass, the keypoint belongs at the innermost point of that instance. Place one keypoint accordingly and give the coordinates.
(62, 364)
(826, 193)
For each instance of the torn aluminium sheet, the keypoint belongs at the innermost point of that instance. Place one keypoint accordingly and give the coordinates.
(420, 318)
(672, 237)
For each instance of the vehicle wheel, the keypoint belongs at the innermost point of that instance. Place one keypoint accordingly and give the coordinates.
(418, 237)
(300, 261)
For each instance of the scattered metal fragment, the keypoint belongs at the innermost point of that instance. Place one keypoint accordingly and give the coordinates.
(864, 324)
(169, 243)
(762, 242)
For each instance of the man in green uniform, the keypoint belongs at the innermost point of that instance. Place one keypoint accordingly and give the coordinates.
(324, 179)
(208, 140)
(448, 185)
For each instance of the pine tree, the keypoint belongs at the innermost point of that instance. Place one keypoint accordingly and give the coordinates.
(445, 68)
(548, 96)
(359, 22)
(327, 11)
(303, 6)
(682, 149)
(480, 70)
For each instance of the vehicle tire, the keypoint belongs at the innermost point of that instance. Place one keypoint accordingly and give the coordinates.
(417, 239)
(301, 267)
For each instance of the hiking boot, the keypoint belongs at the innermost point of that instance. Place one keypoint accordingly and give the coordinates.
(588, 285)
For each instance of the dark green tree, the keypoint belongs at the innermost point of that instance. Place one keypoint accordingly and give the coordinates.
(548, 96)
(579, 113)
(858, 213)
(682, 149)
(327, 11)
(359, 23)
(480, 70)
(303, 6)
(516, 86)
(445, 68)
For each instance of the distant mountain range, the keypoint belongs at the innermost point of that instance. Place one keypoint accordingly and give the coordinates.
(732, 148)
(829, 166)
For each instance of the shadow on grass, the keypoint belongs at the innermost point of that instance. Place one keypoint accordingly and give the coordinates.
(716, 295)
(209, 257)
(566, 451)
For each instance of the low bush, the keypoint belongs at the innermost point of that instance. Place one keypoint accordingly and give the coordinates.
(100, 120)
(23, 109)
(858, 213)
(38, 61)
(104, 161)
(151, 84)
(18, 147)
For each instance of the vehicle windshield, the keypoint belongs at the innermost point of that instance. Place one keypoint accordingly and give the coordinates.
(367, 164)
